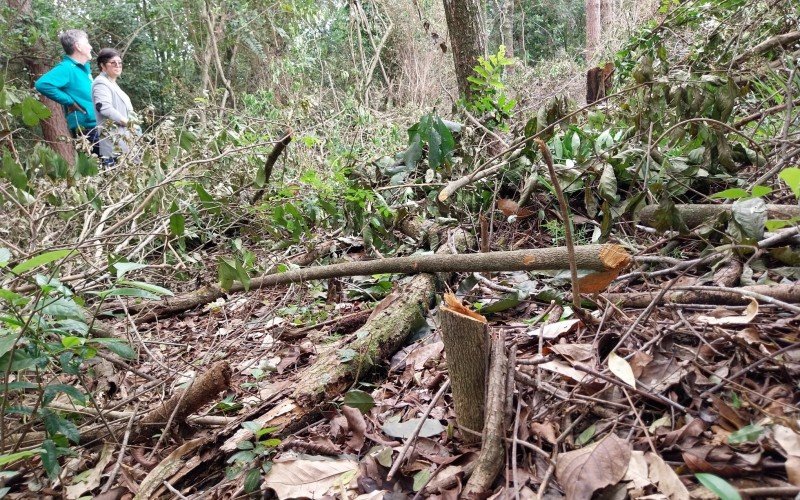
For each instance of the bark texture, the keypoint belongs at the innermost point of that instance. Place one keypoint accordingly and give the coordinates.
(491, 459)
(592, 28)
(464, 336)
(507, 29)
(54, 129)
(465, 24)
(696, 214)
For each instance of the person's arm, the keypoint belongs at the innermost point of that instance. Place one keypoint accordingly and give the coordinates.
(102, 99)
(52, 85)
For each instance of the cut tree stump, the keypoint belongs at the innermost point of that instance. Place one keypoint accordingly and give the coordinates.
(464, 336)
(696, 214)
(492, 455)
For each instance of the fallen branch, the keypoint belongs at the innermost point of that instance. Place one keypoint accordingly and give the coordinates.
(733, 297)
(781, 40)
(696, 214)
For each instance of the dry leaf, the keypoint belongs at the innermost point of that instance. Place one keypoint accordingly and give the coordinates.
(575, 352)
(728, 413)
(545, 431)
(563, 369)
(788, 439)
(164, 470)
(357, 425)
(621, 369)
(746, 317)
(92, 481)
(637, 471)
(555, 330)
(582, 472)
(309, 477)
(667, 480)
(793, 470)
(597, 282)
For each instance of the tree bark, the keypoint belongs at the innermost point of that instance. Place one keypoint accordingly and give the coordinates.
(465, 344)
(606, 14)
(593, 16)
(507, 30)
(54, 129)
(465, 24)
(696, 214)
(491, 459)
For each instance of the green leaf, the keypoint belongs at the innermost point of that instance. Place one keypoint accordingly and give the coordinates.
(252, 480)
(421, 478)
(13, 172)
(7, 343)
(32, 111)
(117, 346)
(347, 354)
(5, 256)
(586, 435)
(508, 301)
(747, 434)
(124, 267)
(20, 455)
(177, 222)
(40, 260)
(251, 426)
(731, 194)
(85, 165)
(71, 342)
(750, 216)
(50, 459)
(359, 399)
(608, 183)
(60, 308)
(244, 445)
(128, 292)
(721, 487)
(760, 191)
(147, 287)
(791, 176)
(51, 390)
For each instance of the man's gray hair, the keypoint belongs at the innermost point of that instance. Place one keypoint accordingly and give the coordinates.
(69, 38)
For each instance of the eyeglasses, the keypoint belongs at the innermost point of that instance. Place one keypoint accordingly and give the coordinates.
(116, 63)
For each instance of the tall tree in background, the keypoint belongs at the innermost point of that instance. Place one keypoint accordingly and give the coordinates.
(606, 14)
(467, 38)
(507, 29)
(54, 129)
(593, 16)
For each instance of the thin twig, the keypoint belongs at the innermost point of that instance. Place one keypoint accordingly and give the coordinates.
(750, 367)
(648, 395)
(121, 455)
(413, 437)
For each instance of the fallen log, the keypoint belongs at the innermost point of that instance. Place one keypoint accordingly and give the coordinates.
(466, 347)
(696, 214)
(784, 293)
(781, 40)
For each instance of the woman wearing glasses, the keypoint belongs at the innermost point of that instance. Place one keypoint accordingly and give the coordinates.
(113, 108)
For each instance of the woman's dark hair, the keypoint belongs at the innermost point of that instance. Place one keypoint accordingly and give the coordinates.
(106, 55)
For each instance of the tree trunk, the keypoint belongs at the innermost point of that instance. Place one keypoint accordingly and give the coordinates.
(54, 129)
(507, 30)
(592, 28)
(606, 15)
(696, 214)
(465, 345)
(467, 38)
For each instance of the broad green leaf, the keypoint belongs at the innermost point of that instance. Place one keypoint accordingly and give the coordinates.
(51, 390)
(721, 487)
(86, 166)
(124, 267)
(622, 369)
(60, 308)
(731, 194)
(791, 176)
(32, 111)
(750, 215)
(50, 459)
(13, 172)
(507, 302)
(117, 346)
(177, 222)
(747, 434)
(40, 260)
(252, 480)
(775, 224)
(7, 342)
(71, 342)
(608, 183)
(760, 191)
(251, 426)
(360, 400)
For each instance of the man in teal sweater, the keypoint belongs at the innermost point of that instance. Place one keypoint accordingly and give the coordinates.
(69, 83)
